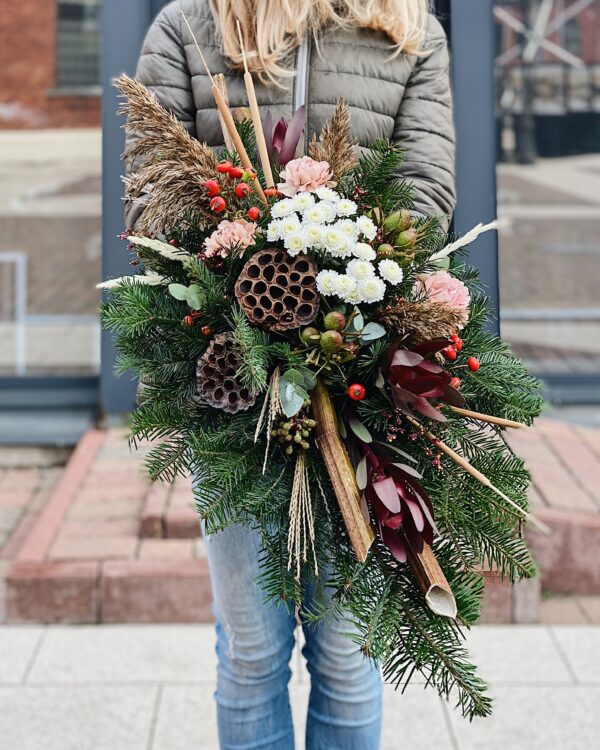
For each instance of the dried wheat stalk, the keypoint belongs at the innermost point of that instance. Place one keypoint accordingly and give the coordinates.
(335, 144)
(422, 321)
(172, 164)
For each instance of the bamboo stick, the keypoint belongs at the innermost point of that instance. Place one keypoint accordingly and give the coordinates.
(220, 82)
(261, 143)
(432, 581)
(340, 470)
(487, 418)
(463, 463)
(225, 113)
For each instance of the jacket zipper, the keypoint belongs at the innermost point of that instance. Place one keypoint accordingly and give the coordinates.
(301, 87)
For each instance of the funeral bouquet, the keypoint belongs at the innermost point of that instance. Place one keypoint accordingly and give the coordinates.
(316, 356)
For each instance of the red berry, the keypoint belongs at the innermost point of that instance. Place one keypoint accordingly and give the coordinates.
(217, 204)
(235, 173)
(357, 392)
(223, 167)
(271, 192)
(474, 364)
(450, 353)
(188, 320)
(242, 190)
(253, 213)
(212, 187)
(458, 344)
(455, 337)
(206, 330)
(455, 383)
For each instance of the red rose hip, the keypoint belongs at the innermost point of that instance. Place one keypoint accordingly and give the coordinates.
(242, 190)
(223, 167)
(253, 213)
(357, 392)
(474, 364)
(217, 204)
(212, 187)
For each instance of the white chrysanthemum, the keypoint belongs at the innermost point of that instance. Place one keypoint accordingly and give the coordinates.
(274, 230)
(390, 271)
(314, 234)
(344, 285)
(363, 251)
(314, 214)
(288, 225)
(332, 238)
(353, 297)
(366, 227)
(326, 282)
(371, 290)
(348, 227)
(282, 208)
(327, 211)
(327, 194)
(343, 249)
(302, 201)
(295, 242)
(360, 269)
(346, 207)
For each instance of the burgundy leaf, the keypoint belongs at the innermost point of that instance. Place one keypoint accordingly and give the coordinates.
(423, 406)
(294, 132)
(394, 544)
(416, 513)
(388, 494)
(405, 358)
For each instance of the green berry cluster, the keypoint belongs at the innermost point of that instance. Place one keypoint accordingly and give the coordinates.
(294, 433)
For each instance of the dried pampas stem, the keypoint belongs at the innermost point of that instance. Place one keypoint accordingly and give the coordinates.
(301, 533)
(271, 409)
(422, 321)
(222, 86)
(168, 165)
(335, 144)
(465, 240)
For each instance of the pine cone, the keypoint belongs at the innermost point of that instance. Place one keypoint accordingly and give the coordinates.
(278, 292)
(216, 380)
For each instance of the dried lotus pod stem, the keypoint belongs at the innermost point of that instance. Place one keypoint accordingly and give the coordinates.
(216, 377)
(278, 292)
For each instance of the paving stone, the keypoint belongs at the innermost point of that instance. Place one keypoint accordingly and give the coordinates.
(166, 549)
(105, 511)
(581, 647)
(497, 605)
(17, 498)
(156, 591)
(17, 645)
(100, 548)
(52, 592)
(507, 654)
(126, 653)
(591, 606)
(562, 610)
(9, 517)
(182, 523)
(76, 718)
(534, 718)
(187, 719)
(90, 529)
(155, 503)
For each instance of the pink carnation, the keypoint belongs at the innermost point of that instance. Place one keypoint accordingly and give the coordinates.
(445, 288)
(304, 175)
(228, 237)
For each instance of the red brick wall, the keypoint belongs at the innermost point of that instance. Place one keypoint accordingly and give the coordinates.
(28, 71)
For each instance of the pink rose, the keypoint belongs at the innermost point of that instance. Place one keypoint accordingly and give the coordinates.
(445, 288)
(304, 175)
(229, 237)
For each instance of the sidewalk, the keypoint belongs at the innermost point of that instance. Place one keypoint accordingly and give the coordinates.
(150, 688)
(96, 542)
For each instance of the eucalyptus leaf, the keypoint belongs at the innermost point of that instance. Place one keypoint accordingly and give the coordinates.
(292, 397)
(293, 376)
(362, 473)
(195, 297)
(179, 291)
(358, 322)
(360, 430)
(371, 332)
(342, 428)
(379, 380)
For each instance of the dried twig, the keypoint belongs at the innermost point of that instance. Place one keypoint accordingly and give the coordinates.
(335, 144)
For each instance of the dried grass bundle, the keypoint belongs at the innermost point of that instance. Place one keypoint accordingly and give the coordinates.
(335, 144)
(422, 321)
(172, 165)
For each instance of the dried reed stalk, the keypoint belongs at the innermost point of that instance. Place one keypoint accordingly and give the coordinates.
(432, 581)
(340, 470)
(222, 86)
(421, 321)
(168, 165)
(335, 144)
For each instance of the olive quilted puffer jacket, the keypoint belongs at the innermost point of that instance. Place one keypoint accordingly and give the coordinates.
(404, 98)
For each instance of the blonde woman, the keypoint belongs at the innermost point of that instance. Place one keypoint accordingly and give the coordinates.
(389, 60)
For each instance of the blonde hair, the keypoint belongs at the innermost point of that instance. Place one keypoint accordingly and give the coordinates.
(272, 28)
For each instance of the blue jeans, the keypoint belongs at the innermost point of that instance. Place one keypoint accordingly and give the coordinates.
(254, 645)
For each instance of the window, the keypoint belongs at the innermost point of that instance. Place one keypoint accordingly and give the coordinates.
(78, 54)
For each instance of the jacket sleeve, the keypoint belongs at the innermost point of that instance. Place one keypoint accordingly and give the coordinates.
(163, 69)
(425, 128)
